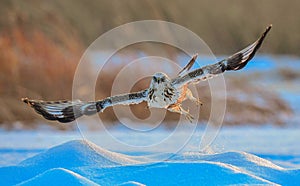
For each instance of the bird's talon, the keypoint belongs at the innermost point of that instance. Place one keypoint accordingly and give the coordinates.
(189, 117)
(199, 103)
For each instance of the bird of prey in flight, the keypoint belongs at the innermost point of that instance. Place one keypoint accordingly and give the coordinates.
(163, 91)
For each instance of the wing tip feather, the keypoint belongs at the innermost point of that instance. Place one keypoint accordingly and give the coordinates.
(25, 100)
(68, 116)
(236, 61)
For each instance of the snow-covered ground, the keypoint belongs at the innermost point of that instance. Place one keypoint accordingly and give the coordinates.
(239, 155)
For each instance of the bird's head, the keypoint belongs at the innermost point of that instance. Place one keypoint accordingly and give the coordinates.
(160, 78)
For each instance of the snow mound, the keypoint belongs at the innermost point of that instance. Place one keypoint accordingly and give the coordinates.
(81, 162)
(69, 155)
(58, 176)
(77, 153)
(178, 173)
(248, 163)
(234, 158)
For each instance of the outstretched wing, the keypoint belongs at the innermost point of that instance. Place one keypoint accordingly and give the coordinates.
(67, 111)
(235, 62)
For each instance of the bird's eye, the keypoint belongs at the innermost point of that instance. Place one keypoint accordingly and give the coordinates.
(163, 79)
(154, 78)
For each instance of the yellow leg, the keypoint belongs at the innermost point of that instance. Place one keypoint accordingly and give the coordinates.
(180, 110)
(189, 95)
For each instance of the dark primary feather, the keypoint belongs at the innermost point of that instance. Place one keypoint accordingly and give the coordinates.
(238, 60)
(67, 111)
(62, 111)
(235, 62)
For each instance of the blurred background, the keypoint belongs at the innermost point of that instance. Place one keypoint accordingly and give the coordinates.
(41, 43)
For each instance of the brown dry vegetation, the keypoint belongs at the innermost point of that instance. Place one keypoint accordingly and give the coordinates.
(41, 43)
(33, 71)
(34, 63)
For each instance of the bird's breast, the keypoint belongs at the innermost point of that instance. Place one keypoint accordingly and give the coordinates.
(162, 97)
